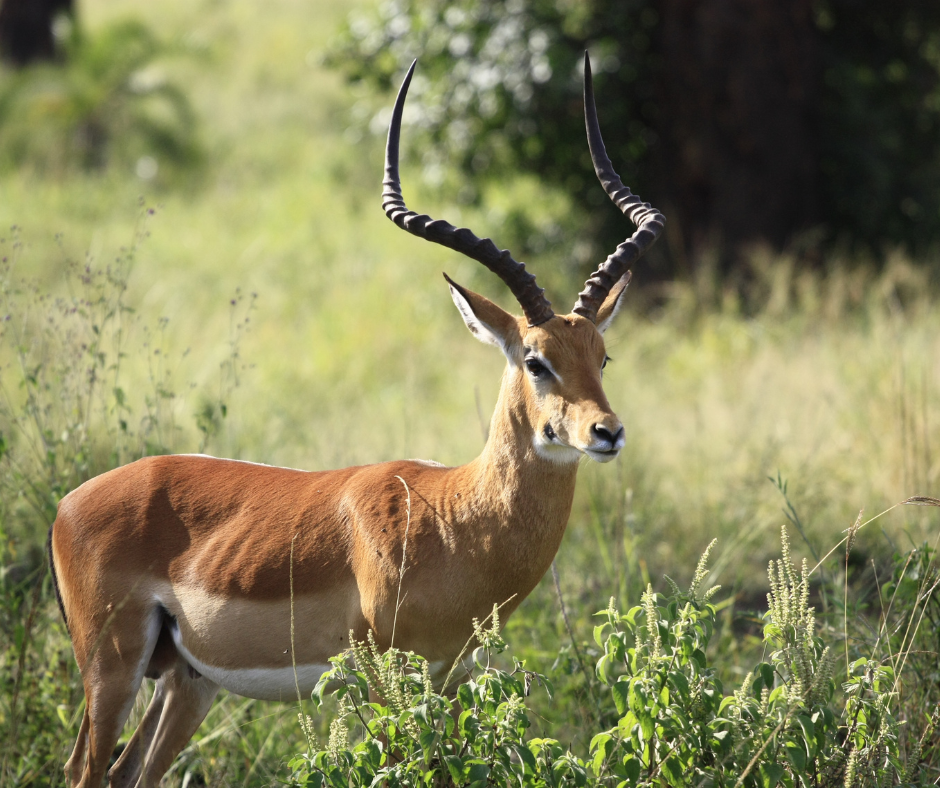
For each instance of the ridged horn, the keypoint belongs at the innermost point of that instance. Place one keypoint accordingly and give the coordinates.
(649, 222)
(535, 306)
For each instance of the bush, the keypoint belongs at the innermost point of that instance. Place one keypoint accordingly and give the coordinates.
(742, 122)
(791, 722)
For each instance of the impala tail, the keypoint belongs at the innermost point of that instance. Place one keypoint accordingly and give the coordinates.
(55, 580)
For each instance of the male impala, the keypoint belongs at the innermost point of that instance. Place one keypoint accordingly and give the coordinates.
(178, 568)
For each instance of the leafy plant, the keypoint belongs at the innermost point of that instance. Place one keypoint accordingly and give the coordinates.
(786, 724)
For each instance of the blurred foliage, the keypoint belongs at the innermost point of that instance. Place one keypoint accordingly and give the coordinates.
(880, 120)
(109, 104)
(498, 91)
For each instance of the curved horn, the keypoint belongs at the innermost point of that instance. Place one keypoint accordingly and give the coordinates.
(649, 222)
(535, 306)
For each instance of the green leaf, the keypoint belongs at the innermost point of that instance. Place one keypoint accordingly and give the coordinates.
(722, 740)
(796, 754)
(809, 733)
(625, 726)
(525, 755)
(455, 766)
(632, 765)
(468, 725)
(599, 741)
(672, 770)
(602, 668)
(597, 764)
(620, 690)
(637, 698)
(646, 725)
(680, 682)
(766, 671)
(770, 774)
(429, 739)
(465, 697)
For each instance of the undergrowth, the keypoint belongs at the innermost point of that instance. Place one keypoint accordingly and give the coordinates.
(804, 716)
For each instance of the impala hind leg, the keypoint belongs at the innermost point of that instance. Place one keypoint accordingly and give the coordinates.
(107, 708)
(73, 767)
(185, 698)
(126, 771)
(112, 663)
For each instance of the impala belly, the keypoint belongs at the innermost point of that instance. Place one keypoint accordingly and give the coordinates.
(245, 646)
(259, 683)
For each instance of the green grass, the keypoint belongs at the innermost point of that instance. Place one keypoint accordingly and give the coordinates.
(355, 354)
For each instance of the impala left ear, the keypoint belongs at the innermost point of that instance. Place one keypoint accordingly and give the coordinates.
(611, 305)
(486, 321)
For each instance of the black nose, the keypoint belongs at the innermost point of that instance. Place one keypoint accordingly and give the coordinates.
(605, 434)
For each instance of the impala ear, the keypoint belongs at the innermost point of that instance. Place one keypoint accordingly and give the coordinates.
(611, 305)
(486, 321)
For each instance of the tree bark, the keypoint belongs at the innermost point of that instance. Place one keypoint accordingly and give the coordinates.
(737, 122)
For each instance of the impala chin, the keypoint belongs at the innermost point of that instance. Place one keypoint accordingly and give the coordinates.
(555, 451)
(603, 456)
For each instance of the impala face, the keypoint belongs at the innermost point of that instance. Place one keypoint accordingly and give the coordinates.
(563, 362)
(193, 571)
(557, 367)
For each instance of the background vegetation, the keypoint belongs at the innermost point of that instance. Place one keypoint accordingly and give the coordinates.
(793, 123)
(121, 338)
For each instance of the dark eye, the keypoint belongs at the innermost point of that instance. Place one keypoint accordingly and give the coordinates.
(536, 368)
(606, 359)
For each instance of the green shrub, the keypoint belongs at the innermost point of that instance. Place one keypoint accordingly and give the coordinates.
(791, 722)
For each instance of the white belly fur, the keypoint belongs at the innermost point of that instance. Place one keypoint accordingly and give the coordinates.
(260, 683)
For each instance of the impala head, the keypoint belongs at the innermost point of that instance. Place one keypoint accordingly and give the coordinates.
(555, 361)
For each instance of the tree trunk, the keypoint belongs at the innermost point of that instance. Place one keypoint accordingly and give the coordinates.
(737, 121)
(26, 29)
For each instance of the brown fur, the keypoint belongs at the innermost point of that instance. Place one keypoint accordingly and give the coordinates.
(204, 545)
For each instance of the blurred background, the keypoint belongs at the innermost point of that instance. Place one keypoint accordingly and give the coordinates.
(194, 258)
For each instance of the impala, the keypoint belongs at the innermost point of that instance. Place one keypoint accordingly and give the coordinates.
(188, 569)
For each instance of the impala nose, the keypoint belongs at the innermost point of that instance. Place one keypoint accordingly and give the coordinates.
(614, 439)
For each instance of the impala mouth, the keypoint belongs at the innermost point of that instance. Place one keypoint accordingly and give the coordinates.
(603, 455)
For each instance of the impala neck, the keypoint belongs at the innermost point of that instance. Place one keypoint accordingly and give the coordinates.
(532, 494)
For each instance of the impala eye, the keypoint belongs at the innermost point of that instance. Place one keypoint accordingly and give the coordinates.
(536, 368)
(606, 359)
